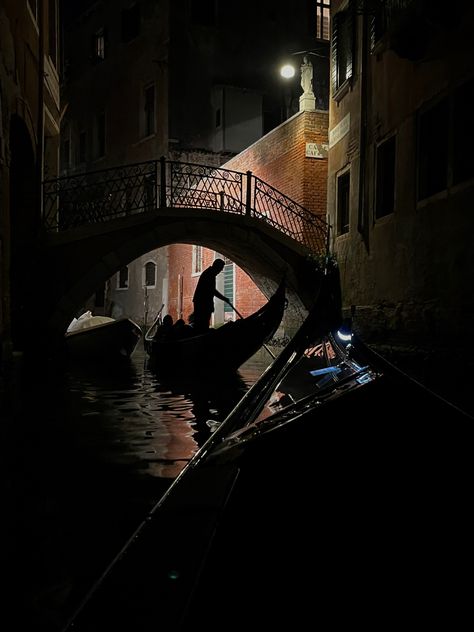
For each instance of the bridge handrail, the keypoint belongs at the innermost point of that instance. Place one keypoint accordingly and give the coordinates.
(112, 192)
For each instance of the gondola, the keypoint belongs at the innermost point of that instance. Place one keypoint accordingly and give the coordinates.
(223, 349)
(322, 496)
(99, 338)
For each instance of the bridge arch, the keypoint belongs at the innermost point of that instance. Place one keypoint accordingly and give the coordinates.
(95, 223)
(77, 262)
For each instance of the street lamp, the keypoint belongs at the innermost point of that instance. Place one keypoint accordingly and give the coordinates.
(287, 71)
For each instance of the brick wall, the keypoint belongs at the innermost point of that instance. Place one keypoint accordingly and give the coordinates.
(279, 158)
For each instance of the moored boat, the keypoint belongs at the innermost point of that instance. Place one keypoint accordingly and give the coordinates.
(101, 338)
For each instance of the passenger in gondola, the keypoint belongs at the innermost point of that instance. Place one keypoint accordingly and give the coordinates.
(204, 294)
(163, 331)
(180, 330)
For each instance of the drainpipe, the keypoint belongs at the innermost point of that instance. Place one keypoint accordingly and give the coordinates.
(363, 211)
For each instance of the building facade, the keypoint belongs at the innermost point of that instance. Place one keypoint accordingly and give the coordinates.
(401, 176)
(193, 81)
(29, 151)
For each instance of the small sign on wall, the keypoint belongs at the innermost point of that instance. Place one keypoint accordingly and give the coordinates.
(316, 150)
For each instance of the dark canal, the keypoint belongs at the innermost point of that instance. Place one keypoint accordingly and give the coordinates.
(87, 452)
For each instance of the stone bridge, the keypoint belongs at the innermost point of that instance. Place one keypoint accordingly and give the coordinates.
(97, 222)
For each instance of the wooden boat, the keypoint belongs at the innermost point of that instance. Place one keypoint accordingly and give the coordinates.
(101, 338)
(222, 349)
(321, 467)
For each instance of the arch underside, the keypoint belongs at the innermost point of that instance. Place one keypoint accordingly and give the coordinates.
(81, 260)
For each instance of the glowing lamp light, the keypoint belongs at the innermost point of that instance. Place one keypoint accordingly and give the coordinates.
(287, 71)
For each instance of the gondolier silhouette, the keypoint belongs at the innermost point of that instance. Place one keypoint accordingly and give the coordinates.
(204, 293)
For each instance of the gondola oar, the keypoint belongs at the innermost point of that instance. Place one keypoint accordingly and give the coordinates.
(240, 316)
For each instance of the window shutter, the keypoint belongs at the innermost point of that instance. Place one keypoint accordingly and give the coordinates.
(350, 30)
(334, 73)
(372, 39)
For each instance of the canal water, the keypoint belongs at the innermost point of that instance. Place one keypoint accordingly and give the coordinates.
(86, 453)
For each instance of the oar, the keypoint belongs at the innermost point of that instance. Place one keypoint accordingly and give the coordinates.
(240, 316)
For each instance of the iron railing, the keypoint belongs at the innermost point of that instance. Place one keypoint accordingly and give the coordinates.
(100, 196)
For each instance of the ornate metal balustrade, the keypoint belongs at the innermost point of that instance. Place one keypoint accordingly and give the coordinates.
(100, 196)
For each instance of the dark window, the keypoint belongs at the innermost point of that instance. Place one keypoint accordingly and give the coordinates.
(99, 45)
(343, 201)
(385, 179)
(218, 117)
(101, 135)
(342, 48)
(82, 146)
(149, 99)
(323, 8)
(150, 274)
(463, 133)
(433, 149)
(131, 23)
(123, 278)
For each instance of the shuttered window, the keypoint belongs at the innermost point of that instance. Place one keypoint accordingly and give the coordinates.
(228, 286)
(342, 48)
(343, 202)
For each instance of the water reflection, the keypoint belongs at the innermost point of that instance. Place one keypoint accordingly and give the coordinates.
(90, 451)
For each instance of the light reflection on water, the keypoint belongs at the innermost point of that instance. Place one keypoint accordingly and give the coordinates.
(157, 425)
(90, 451)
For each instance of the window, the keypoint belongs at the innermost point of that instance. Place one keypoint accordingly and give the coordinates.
(385, 178)
(197, 260)
(323, 8)
(377, 24)
(445, 141)
(99, 45)
(149, 107)
(342, 48)
(100, 138)
(343, 202)
(82, 146)
(150, 274)
(463, 133)
(228, 292)
(433, 149)
(131, 23)
(123, 278)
